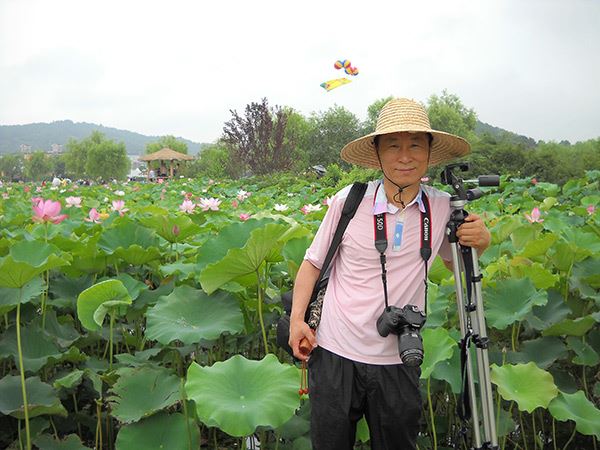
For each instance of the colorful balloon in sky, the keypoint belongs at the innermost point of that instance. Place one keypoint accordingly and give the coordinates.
(340, 64)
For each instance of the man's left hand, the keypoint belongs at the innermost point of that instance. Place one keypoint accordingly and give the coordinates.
(473, 233)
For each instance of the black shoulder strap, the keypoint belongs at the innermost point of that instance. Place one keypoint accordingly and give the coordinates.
(354, 198)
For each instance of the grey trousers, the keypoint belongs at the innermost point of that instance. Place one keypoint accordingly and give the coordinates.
(342, 391)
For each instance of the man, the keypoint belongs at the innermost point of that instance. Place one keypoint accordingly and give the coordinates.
(353, 369)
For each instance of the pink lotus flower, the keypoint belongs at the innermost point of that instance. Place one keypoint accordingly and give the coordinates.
(535, 216)
(39, 188)
(26, 189)
(244, 217)
(118, 206)
(534, 181)
(48, 211)
(591, 209)
(209, 203)
(161, 181)
(307, 209)
(73, 201)
(175, 230)
(35, 200)
(93, 216)
(242, 195)
(187, 206)
(234, 203)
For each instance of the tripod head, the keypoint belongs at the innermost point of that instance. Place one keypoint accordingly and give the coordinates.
(450, 177)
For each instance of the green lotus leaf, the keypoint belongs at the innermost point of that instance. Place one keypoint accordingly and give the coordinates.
(139, 358)
(233, 235)
(504, 228)
(542, 351)
(528, 385)
(261, 246)
(565, 255)
(133, 286)
(189, 315)
(510, 301)
(180, 268)
(9, 297)
(239, 395)
(70, 380)
(62, 333)
(438, 303)
(586, 355)
(578, 408)
(92, 299)
(298, 425)
(293, 252)
(71, 442)
(172, 228)
(137, 255)
(41, 398)
(539, 246)
(523, 235)
(65, 289)
(437, 346)
(438, 271)
(588, 271)
(449, 370)
(541, 277)
(27, 260)
(582, 240)
(126, 234)
(37, 348)
(160, 432)
(571, 327)
(556, 310)
(143, 391)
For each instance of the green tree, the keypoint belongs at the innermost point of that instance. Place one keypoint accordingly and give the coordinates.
(11, 167)
(167, 142)
(107, 160)
(215, 161)
(447, 113)
(373, 111)
(38, 166)
(77, 154)
(328, 132)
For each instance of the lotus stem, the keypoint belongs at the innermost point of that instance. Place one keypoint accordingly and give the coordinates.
(76, 409)
(260, 315)
(553, 434)
(522, 430)
(110, 345)
(22, 372)
(429, 402)
(570, 438)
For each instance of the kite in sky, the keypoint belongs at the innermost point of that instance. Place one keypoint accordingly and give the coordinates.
(340, 64)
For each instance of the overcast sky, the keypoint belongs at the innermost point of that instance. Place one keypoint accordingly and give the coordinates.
(178, 67)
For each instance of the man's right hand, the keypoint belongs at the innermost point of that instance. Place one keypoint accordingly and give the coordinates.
(300, 330)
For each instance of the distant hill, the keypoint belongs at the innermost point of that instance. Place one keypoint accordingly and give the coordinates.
(484, 128)
(41, 136)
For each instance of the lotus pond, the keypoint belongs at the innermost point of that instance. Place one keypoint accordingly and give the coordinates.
(141, 316)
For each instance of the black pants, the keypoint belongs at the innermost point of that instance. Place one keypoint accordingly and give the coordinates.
(341, 391)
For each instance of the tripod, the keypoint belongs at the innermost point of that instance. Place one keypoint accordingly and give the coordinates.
(467, 279)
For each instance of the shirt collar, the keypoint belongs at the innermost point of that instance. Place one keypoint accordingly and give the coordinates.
(382, 205)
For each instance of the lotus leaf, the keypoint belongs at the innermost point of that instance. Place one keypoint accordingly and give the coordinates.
(143, 391)
(542, 351)
(449, 370)
(9, 297)
(578, 408)
(586, 355)
(523, 235)
(556, 310)
(28, 259)
(126, 234)
(90, 309)
(189, 315)
(165, 225)
(159, 432)
(438, 346)
(72, 442)
(528, 385)
(541, 277)
(571, 327)
(510, 301)
(539, 246)
(41, 398)
(239, 395)
(263, 245)
(69, 381)
(37, 348)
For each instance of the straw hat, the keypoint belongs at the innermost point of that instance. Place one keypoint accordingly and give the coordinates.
(402, 114)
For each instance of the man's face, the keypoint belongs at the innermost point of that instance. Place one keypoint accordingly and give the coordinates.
(404, 156)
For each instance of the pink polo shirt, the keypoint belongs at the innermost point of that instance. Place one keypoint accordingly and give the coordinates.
(354, 298)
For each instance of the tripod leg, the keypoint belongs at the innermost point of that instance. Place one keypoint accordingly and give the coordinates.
(465, 329)
(483, 363)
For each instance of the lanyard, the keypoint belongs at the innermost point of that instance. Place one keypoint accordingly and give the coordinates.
(381, 242)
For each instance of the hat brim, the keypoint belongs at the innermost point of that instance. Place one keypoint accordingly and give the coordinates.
(444, 147)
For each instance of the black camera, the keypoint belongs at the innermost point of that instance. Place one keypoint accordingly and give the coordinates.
(406, 322)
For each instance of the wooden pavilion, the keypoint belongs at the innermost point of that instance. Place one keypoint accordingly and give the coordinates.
(165, 155)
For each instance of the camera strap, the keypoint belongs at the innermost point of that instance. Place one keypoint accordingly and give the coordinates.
(381, 241)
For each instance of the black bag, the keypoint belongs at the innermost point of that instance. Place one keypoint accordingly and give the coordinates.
(315, 305)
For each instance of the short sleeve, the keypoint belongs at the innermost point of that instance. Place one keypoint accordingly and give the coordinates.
(445, 250)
